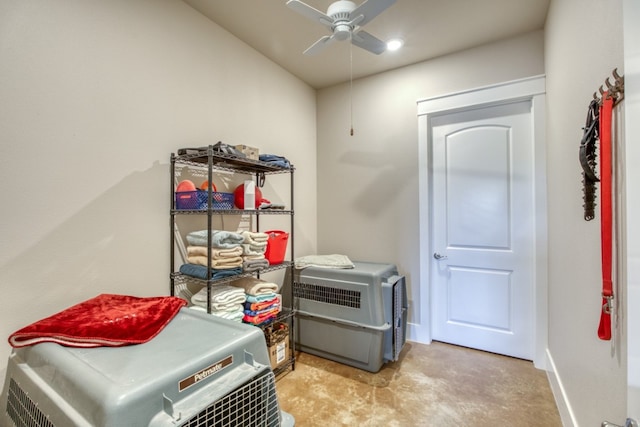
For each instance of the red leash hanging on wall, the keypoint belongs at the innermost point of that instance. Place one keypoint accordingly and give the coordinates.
(606, 212)
(598, 127)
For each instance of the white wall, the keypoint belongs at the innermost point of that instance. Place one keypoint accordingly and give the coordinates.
(368, 183)
(631, 18)
(95, 96)
(368, 186)
(583, 44)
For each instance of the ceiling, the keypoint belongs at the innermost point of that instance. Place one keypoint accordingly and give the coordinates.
(429, 28)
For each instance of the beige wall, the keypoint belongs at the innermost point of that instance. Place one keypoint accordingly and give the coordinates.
(95, 96)
(583, 44)
(368, 183)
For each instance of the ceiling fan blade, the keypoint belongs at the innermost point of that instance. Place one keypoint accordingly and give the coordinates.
(369, 9)
(310, 12)
(319, 45)
(368, 42)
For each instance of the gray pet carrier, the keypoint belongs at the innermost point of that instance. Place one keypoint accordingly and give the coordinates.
(199, 371)
(353, 316)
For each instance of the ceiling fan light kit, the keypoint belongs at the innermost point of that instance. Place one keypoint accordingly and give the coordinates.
(341, 10)
(345, 21)
(394, 44)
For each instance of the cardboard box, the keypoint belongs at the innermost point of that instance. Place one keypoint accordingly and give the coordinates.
(277, 337)
(251, 152)
(279, 353)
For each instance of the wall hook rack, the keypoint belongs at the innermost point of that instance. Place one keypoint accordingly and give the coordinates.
(614, 90)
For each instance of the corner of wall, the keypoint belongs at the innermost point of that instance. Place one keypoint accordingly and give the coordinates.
(559, 394)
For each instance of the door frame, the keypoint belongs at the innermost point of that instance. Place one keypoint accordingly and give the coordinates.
(533, 90)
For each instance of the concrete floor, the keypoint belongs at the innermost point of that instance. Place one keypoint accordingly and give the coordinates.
(431, 385)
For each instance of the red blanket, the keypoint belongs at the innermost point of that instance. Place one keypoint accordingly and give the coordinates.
(106, 320)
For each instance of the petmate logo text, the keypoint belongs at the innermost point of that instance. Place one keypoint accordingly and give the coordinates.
(204, 373)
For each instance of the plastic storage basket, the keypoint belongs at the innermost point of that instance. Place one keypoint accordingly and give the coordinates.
(276, 246)
(197, 200)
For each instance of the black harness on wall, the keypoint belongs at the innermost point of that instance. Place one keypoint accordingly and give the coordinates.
(588, 156)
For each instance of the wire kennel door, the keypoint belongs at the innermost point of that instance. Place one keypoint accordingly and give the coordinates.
(252, 405)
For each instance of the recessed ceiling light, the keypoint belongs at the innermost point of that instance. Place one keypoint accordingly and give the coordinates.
(394, 44)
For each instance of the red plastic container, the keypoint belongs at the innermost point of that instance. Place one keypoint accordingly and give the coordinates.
(276, 246)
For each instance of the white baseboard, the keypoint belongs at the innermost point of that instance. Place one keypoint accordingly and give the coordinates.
(418, 333)
(566, 414)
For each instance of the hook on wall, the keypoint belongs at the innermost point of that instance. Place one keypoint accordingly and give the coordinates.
(614, 90)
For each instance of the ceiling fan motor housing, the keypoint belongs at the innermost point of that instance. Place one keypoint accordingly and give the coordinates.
(340, 11)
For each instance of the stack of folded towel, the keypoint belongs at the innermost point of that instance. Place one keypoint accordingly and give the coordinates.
(262, 302)
(254, 246)
(226, 301)
(324, 261)
(226, 254)
(221, 259)
(275, 160)
(259, 310)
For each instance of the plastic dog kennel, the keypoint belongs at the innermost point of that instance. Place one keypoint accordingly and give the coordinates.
(353, 316)
(198, 371)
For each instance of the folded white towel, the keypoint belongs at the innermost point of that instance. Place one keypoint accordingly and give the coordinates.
(217, 263)
(254, 237)
(215, 253)
(251, 249)
(236, 316)
(219, 306)
(326, 261)
(219, 238)
(222, 294)
(253, 286)
(231, 315)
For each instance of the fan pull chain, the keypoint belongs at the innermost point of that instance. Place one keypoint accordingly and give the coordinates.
(351, 85)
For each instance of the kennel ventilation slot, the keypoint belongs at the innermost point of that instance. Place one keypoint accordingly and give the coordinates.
(22, 410)
(327, 294)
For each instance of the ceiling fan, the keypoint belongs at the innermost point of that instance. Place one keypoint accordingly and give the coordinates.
(344, 19)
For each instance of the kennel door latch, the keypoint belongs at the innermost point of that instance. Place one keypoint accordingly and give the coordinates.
(168, 408)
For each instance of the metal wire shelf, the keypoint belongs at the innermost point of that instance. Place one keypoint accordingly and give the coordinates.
(231, 211)
(230, 163)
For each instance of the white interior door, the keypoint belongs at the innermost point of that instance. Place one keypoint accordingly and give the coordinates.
(483, 227)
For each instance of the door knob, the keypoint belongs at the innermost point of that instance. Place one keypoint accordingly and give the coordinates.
(438, 256)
